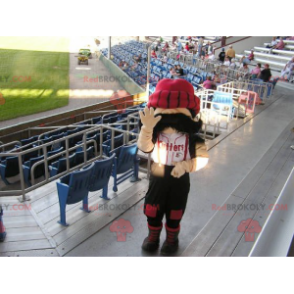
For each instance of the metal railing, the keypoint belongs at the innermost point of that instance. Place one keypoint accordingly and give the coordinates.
(17, 152)
(260, 89)
(277, 232)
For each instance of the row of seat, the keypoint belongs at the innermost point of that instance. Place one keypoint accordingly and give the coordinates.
(75, 186)
(275, 58)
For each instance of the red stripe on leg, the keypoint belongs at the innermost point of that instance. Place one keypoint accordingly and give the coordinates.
(176, 214)
(150, 210)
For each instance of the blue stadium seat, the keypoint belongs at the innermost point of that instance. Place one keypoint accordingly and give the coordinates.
(100, 176)
(117, 142)
(9, 167)
(38, 171)
(126, 163)
(80, 155)
(59, 166)
(29, 140)
(72, 189)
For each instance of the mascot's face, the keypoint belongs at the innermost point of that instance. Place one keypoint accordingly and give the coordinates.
(176, 120)
(176, 103)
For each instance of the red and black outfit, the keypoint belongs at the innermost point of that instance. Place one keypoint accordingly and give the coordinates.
(172, 142)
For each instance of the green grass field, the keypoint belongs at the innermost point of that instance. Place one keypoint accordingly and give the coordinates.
(34, 75)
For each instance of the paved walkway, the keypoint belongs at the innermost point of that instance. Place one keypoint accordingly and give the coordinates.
(230, 163)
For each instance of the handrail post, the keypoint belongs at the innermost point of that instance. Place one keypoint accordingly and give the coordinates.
(67, 154)
(85, 147)
(22, 183)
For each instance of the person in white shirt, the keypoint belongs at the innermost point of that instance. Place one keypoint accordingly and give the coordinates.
(288, 69)
(211, 57)
(227, 62)
(273, 43)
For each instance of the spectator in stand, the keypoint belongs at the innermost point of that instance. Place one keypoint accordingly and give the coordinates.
(273, 43)
(174, 39)
(256, 71)
(216, 79)
(244, 60)
(211, 57)
(200, 45)
(187, 48)
(164, 59)
(138, 58)
(222, 55)
(230, 53)
(195, 55)
(126, 65)
(227, 61)
(251, 55)
(288, 69)
(191, 45)
(266, 74)
(203, 53)
(208, 84)
(209, 48)
(121, 63)
(243, 73)
(233, 63)
(134, 66)
(223, 41)
(165, 47)
(179, 71)
(179, 45)
(172, 71)
(280, 45)
(153, 54)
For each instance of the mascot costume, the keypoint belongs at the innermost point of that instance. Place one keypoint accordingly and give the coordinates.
(169, 130)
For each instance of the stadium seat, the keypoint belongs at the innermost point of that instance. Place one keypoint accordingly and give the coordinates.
(97, 120)
(72, 189)
(80, 155)
(117, 142)
(9, 167)
(126, 163)
(29, 140)
(38, 171)
(100, 176)
(59, 166)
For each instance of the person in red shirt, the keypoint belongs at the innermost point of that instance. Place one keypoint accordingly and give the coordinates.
(153, 54)
(187, 47)
(208, 84)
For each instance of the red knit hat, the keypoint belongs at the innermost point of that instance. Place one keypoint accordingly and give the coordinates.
(177, 93)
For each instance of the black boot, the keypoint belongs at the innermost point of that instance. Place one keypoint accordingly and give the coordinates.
(151, 242)
(171, 244)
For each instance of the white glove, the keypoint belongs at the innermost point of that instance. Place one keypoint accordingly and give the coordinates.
(147, 118)
(178, 170)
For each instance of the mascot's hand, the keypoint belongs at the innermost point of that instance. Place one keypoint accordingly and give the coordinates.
(147, 118)
(178, 170)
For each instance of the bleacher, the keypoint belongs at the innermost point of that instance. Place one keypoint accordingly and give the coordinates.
(277, 59)
(159, 69)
